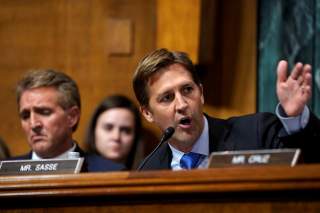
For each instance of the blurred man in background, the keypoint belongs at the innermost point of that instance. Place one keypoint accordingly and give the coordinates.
(49, 108)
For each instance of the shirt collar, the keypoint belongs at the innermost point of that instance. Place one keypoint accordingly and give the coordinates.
(201, 146)
(62, 156)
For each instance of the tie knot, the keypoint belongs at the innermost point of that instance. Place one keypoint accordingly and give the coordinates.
(190, 160)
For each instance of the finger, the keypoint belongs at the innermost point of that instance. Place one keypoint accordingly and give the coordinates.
(306, 69)
(282, 71)
(297, 70)
(300, 80)
(307, 80)
(307, 75)
(306, 91)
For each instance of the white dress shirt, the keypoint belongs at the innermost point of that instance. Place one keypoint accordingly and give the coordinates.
(200, 147)
(62, 156)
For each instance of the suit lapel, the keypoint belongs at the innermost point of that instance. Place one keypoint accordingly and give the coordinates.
(218, 132)
(161, 159)
(166, 157)
(78, 149)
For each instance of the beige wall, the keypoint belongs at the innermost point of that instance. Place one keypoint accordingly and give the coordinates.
(100, 42)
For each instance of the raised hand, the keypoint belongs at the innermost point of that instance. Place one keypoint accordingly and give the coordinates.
(295, 90)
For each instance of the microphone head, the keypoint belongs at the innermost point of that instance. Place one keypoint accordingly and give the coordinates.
(168, 133)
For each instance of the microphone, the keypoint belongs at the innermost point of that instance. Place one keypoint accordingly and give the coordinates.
(166, 135)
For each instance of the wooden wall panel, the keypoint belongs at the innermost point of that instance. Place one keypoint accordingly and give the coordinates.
(72, 36)
(220, 37)
(178, 26)
(228, 55)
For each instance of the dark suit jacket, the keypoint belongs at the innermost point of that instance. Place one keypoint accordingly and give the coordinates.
(250, 132)
(91, 163)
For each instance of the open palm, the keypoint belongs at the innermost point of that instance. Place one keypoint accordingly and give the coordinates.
(294, 91)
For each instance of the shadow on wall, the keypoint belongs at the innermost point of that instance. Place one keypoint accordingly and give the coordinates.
(146, 145)
(218, 50)
(4, 151)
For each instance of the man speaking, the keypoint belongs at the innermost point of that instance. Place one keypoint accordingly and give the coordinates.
(170, 94)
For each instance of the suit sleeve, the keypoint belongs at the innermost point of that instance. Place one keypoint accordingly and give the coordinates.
(308, 140)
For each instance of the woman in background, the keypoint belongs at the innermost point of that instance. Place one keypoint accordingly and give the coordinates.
(114, 130)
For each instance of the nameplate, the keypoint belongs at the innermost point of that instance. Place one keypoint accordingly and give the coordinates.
(254, 157)
(32, 167)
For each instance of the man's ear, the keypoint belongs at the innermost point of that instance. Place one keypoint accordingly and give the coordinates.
(147, 114)
(73, 116)
(202, 96)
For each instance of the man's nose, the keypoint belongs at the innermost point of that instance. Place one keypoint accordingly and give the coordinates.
(35, 123)
(181, 103)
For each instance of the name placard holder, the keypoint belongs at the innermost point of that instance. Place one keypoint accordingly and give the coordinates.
(48, 166)
(254, 157)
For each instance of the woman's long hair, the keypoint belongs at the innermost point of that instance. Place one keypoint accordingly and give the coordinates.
(114, 101)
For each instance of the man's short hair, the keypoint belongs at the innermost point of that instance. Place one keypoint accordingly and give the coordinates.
(65, 85)
(152, 63)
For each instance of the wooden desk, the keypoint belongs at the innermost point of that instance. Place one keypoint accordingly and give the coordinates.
(254, 189)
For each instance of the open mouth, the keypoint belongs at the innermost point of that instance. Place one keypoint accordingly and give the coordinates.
(185, 121)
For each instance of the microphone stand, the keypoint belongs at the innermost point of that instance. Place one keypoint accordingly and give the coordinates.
(166, 135)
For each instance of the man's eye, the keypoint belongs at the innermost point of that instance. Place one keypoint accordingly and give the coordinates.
(24, 115)
(187, 89)
(166, 98)
(45, 112)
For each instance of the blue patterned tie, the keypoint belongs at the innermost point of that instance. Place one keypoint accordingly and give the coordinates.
(190, 160)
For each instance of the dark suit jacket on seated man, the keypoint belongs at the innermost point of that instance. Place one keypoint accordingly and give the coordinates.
(170, 94)
(49, 108)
